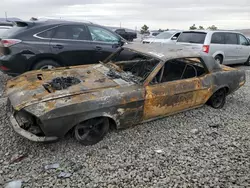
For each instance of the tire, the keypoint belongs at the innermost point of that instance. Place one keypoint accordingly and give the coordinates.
(247, 63)
(218, 59)
(45, 64)
(218, 99)
(91, 131)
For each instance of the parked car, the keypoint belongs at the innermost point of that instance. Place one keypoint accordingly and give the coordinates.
(3, 29)
(164, 37)
(152, 34)
(130, 36)
(46, 44)
(44, 105)
(226, 47)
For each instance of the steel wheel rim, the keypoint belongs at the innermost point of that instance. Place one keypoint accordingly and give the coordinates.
(46, 67)
(218, 98)
(91, 130)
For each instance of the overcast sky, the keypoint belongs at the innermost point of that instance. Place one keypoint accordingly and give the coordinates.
(178, 14)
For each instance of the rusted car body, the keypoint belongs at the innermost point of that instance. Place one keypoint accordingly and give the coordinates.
(45, 105)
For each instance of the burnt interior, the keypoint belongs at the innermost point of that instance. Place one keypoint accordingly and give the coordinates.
(61, 83)
(134, 70)
(179, 69)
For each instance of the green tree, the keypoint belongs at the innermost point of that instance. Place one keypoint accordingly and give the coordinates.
(201, 28)
(193, 27)
(213, 27)
(144, 29)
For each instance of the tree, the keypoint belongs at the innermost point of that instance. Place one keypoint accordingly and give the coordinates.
(201, 28)
(193, 27)
(160, 30)
(213, 27)
(144, 29)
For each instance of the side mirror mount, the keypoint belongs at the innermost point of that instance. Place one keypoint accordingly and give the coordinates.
(174, 38)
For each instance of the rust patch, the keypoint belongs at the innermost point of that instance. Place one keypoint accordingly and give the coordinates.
(170, 97)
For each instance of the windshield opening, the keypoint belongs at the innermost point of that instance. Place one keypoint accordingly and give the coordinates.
(164, 35)
(192, 37)
(136, 70)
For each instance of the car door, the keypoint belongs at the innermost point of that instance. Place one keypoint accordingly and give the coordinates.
(244, 48)
(72, 45)
(231, 49)
(104, 42)
(174, 92)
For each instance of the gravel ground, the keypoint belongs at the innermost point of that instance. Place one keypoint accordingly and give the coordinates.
(198, 148)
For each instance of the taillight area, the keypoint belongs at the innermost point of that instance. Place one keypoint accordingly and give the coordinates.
(9, 42)
(205, 48)
(3, 68)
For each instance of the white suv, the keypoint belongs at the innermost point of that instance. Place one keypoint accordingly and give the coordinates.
(227, 47)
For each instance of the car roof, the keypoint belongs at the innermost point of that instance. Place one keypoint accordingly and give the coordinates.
(40, 22)
(5, 27)
(211, 31)
(165, 52)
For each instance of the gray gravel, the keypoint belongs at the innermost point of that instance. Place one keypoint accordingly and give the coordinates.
(198, 148)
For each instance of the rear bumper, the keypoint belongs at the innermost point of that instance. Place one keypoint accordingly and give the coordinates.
(13, 65)
(26, 134)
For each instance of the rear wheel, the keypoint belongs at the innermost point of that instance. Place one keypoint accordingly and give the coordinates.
(92, 131)
(247, 63)
(218, 59)
(218, 99)
(45, 64)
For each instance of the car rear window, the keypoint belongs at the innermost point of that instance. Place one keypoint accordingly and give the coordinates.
(192, 37)
(13, 31)
(2, 30)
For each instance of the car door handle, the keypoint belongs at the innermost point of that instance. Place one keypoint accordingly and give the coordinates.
(98, 48)
(58, 46)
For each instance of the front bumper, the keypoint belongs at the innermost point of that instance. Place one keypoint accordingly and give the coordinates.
(27, 134)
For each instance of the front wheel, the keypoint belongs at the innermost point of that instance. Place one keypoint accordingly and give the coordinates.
(218, 99)
(91, 131)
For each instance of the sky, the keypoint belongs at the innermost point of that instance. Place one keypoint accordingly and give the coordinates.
(164, 14)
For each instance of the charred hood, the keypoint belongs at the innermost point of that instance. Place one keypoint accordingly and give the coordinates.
(37, 86)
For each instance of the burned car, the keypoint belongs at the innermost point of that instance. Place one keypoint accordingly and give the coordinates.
(44, 105)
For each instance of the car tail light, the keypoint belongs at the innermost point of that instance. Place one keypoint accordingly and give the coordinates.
(9, 42)
(205, 48)
(4, 68)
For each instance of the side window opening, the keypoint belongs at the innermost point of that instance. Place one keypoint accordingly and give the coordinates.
(218, 38)
(231, 38)
(179, 69)
(243, 40)
(102, 35)
(72, 32)
(175, 37)
(46, 34)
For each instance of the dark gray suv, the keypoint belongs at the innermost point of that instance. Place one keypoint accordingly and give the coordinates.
(47, 44)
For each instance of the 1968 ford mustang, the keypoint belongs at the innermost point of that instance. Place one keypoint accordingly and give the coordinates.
(44, 105)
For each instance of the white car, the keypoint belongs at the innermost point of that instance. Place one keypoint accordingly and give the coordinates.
(164, 37)
(227, 47)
